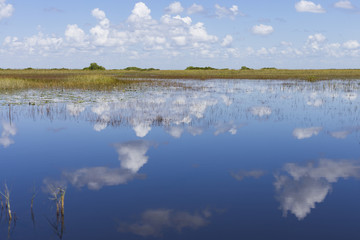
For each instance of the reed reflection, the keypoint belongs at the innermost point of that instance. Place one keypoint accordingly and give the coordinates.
(155, 222)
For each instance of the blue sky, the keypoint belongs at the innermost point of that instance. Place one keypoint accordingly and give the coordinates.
(176, 34)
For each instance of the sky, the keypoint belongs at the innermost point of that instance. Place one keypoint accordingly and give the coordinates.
(166, 34)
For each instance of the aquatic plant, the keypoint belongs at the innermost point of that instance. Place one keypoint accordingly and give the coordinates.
(58, 196)
(6, 195)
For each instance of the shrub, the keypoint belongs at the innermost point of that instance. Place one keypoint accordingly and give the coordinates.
(245, 68)
(199, 68)
(94, 66)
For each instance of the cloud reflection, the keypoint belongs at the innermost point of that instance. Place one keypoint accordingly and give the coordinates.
(154, 222)
(261, 111)
(8, 131)
(132, 157)
(299, 188)
(227, 127)
(302, 133)
(240, 175)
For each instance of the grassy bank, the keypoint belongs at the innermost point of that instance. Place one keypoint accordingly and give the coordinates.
(122, 79)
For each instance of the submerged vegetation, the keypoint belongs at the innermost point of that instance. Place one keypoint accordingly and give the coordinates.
(123, 79)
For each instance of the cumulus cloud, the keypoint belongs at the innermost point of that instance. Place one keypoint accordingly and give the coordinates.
(8, 131)
(300, 188)
(169, 36)
(154, 222)
(195, 8)
(174, 8)
(262, 29)
(351, 44)
(6, 9)
(222, 12)
(228, 39)
(308, 6)
(302, 133)
(132, 157)
(260, 111)
(140, 13)
(240, 175)
(75, 35)
(40, 44)
(344, 4)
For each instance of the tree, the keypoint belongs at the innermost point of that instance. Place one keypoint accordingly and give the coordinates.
(94, 66)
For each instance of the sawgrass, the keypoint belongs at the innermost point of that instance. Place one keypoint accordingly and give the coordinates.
(122, 79)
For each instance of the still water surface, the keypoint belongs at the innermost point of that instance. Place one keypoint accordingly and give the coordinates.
(219, 159)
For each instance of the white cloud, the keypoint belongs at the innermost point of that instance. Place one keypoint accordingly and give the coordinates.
(8, 131)
(140, 13)
(262, 29)
(156, 221)
(300, 188)
(261, 111)
(351, 44)
(302, 133)
(195, 8)
(138, 36)
(39, 44)
(222, 12)
(198, 33)
(228, 39)
(308, 6)
(6, 10)
(344, 4)
(74, 33)
(175, 8)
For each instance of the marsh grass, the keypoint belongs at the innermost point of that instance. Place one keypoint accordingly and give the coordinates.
(124, 79)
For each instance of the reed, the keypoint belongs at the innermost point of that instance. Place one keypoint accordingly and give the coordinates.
(58, 196)
(6, 195)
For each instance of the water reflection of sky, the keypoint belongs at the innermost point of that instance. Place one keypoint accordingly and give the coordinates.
(189, 162)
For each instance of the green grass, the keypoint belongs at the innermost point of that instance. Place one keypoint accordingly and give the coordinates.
(123, 79)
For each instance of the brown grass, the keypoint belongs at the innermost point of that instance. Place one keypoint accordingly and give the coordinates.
(123, 79)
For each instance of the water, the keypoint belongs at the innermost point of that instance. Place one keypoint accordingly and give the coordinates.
(219, 159)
